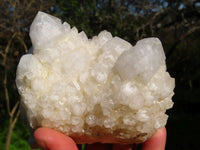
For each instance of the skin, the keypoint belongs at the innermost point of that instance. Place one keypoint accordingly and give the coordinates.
(49, 139)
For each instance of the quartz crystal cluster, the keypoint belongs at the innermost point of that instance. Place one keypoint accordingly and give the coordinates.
(95, 90)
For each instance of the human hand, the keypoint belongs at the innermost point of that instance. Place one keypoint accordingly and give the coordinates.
(49, 139)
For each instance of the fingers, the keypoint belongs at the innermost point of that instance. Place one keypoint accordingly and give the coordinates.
(53, 140)
(157, 141)
(123, 147)
(50, 139)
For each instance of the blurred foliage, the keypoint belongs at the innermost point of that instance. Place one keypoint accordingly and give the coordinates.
(19, 136)
(175, 22)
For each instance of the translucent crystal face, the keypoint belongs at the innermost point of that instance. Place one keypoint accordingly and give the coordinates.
(99, 88)
(141, 61)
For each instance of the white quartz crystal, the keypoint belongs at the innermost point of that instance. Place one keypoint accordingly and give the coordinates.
(93, 89)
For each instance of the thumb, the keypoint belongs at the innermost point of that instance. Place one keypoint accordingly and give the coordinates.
(157, 141)
(50, 139)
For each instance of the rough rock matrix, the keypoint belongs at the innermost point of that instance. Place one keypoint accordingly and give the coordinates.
(95, 90)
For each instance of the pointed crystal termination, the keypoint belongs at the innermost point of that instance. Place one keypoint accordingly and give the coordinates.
(95, 90)
(45, 30)
(141, 61)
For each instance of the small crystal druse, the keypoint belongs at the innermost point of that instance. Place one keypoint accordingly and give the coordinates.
(95, 90)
